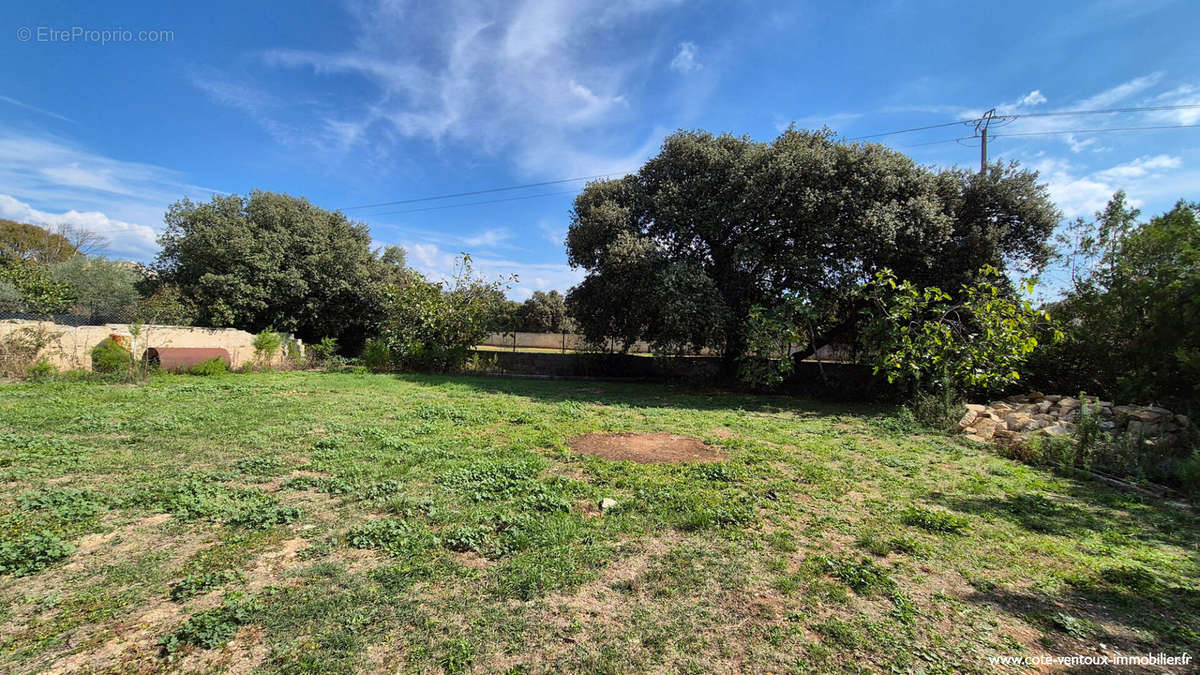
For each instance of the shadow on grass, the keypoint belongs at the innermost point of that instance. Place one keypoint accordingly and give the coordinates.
(1165, 618)
(1089, 508)
(648, 395)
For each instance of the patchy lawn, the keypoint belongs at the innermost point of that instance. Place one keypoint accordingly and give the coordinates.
(322, 522)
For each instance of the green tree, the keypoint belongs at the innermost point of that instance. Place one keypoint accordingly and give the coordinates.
(544, 312)
(275, 260)
(1132, 313)
(924, 338)
(433, 326)
(46, 245)
(28, 287)
(104, 289)
(714, 226)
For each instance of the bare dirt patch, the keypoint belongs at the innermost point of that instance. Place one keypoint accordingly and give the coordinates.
(645, 448)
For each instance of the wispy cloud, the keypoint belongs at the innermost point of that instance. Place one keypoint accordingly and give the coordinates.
(49, 180)
(22, 104)
(529, 80)
(687, 59)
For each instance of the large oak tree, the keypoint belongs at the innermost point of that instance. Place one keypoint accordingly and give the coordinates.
(681, 251)
(273, 260)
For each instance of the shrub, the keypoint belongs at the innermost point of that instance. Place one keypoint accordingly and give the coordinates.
(213, 366)
(267, 344)
(323, 350)
(377, 357)
(111, 357)
(32, 553)
(1189, 474)
(262, 517)
(41, 371)
(434, 327)
(20, 349)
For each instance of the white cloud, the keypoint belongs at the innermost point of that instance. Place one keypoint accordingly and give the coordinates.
(438, 264)
(1078, 192)
(1121, 92)
(1034, 97)
(130, 239)
(686, 59)
(50, 180)
(1140, 167)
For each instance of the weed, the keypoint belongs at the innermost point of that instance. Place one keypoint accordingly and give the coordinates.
(64, 504)
(213, 366)
(260, 466)
(197, 584)
(31, 553)
(933, 521)
(396, 537)
(212, 627)
(261, 517)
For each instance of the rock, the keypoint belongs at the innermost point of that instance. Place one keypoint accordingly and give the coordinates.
(1182, 420)
(1000, 406)
(1104, 404)
(1054, 398)
(977, 438)
(1134, 427)
(1145, 415)
(1160, 411)
(1108, 425)
(1016, 420)
(976, 408)
(1067, 403)
(967, 418)
(1027, 407)
(1152, 430)
(607, 504)
(1035, 396)
(985, 428)
(1044, 406)
(1054, 430)
(1034, 425)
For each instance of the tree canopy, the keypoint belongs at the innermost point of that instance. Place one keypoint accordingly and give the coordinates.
(680, 252)
(273, 260)
(45, 245)
(1132, 313)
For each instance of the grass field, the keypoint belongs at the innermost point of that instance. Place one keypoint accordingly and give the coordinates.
(341, 522)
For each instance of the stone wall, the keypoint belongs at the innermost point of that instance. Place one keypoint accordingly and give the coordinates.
(1018, 419)
(72, 348)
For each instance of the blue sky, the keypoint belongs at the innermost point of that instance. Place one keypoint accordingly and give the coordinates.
(376, 101)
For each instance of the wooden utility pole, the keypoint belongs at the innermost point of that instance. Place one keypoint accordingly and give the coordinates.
(981, 128)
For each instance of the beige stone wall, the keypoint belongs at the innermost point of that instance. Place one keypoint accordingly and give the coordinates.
(71, 349)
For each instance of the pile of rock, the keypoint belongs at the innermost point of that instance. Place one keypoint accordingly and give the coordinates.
(1016, 419)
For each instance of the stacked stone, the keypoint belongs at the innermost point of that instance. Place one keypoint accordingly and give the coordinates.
(1017, 419)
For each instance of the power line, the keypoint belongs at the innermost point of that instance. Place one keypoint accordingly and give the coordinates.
(1097, 131)
(486, 201)
(477, 192)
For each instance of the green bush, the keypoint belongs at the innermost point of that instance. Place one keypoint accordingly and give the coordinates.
(267, 344)
(377, 357)
(213, 366)
(41, 371)
(111, 357)
(1189, 475)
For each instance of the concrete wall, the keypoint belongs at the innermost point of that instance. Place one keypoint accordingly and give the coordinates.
(72, 348)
